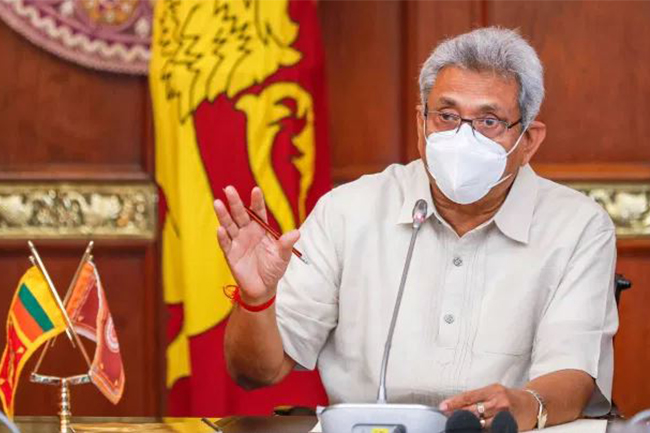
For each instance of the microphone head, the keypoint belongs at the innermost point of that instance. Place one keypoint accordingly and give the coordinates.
(419, 213)
(504, 422)
(463, 421)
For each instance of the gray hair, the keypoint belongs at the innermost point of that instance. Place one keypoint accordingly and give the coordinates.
(491, 48)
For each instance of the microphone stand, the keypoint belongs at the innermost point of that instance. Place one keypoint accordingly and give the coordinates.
(419, 214)
(383, 416)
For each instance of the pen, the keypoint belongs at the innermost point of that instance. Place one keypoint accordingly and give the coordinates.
(272, 232)
(215, 427)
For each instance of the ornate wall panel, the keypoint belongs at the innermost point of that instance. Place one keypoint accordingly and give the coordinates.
(101, 34)
(628, 205)
(81, 210)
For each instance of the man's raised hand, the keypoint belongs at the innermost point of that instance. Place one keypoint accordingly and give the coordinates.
(256, 260)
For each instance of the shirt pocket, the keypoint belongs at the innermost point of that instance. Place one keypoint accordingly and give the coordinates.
(504, 337)
(508, 320)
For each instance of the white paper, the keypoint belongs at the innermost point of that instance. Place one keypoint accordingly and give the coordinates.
(579, 426)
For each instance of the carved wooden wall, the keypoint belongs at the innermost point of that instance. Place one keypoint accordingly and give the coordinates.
(60, 122)
(76, 156)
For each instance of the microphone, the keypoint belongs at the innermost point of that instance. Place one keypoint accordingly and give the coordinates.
(504, 422)
(463, 421)
(389, 418)
(419, 214)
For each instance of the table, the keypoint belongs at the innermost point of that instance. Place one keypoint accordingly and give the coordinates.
(234, 424)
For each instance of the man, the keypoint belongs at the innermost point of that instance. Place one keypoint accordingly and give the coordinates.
(509, 302)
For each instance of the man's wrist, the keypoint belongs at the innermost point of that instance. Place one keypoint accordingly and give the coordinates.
(256, 300)
(525, 411)
(541, 413)
(250, 303)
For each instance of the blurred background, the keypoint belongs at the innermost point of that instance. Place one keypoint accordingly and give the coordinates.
(74, 137)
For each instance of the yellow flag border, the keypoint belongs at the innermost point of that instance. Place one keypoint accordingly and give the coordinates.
(31, 347)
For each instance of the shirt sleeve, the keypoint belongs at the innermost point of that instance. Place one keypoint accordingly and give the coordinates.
(307, 297)
(578, 326)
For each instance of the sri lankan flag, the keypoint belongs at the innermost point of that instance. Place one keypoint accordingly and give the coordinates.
(34, 317)
(238, 97)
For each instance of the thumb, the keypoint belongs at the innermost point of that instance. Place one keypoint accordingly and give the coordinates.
(286, 243)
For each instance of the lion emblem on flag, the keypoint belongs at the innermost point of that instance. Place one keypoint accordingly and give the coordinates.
(233, 85)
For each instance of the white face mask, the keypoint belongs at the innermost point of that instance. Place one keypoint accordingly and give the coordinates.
(466, 165)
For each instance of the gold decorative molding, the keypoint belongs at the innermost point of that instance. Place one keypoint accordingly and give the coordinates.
(56, 210)
(82, 210)
(628, 204)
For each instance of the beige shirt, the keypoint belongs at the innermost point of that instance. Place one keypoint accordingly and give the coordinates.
(528, 293)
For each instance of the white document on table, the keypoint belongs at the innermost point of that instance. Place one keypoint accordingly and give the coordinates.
(579, 426)
(316, 428)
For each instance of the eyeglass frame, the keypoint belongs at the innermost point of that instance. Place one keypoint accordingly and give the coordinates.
(508, 125)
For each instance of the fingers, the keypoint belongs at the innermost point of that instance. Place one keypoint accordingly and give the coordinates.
(470, 401)
(225, 219)
(233, 221)
(237, 210)
(493, 399)
(237, 216)
(224, 240)
(257, 203)
(286, 243)
(464, 399)
(489, 406)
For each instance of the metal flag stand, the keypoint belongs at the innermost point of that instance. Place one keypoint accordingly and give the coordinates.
(63, 383)
(65, 413)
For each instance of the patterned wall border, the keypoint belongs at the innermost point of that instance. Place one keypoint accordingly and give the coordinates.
(78, 210)
(628, 204)
(129, 211)
(107, 35)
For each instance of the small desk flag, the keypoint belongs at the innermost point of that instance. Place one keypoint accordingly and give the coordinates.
(91, 318)
(34, 317)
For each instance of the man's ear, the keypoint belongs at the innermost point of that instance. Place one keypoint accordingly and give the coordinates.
(419, 112)
(533, 138)
(419, 119)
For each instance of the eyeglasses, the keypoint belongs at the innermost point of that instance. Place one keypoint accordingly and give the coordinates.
(491, 127)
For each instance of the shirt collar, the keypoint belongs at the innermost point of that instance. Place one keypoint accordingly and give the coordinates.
(417, 187)
(513, 219)
(516, 214)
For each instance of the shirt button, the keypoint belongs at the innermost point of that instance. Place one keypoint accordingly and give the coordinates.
(458, 261)
(449, 318)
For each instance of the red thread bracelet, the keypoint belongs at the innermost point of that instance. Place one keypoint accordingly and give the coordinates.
(235, 298)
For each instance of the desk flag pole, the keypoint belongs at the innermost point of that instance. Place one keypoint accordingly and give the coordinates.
(75, 278)
(35, 258)
(88, 315)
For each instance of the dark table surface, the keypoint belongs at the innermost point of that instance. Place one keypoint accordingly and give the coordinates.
(235, 424)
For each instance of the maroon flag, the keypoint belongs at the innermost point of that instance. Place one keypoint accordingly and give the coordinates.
(91, 317)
